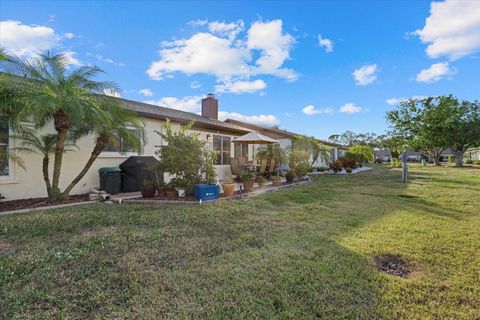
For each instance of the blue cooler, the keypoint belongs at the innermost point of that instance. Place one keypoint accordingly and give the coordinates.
(206, 192)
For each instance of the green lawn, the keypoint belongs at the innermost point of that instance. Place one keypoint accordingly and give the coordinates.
(301, 253)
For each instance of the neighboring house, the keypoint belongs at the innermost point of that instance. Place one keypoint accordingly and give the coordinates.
(473, 154)
(383, 155)
(286, 138)
(414, 156)
(445, 154)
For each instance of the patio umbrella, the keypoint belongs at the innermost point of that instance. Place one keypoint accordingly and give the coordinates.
(255, 138)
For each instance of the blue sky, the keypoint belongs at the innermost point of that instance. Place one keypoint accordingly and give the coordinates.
(265, 60)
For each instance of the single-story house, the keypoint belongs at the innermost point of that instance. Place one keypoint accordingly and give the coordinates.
(382, 155)
(414, 156)
(473, 154)
(16, 183)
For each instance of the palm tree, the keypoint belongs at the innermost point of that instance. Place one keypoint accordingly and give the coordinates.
(272, 151)
(44, 91)
(311, 145)
(121, 124)
(43, 145)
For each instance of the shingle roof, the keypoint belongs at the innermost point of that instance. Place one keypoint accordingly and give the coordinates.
(157, 112)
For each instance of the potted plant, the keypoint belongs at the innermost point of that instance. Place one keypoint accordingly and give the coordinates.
(262, 181)
(348, 170)
(290, 176)
(277, 180)
(248, 179)
(170, 191)
(228, 185)
(148, 189)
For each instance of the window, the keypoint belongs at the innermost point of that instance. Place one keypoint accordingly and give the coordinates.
(332, 154)
(241, 150)
(221, 145)
(120, 145)
(4, 161)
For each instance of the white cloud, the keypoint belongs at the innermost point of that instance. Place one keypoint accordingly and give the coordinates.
(146, 92)
(397, 101)
(435, 73)
(71, 59)
(275, 46)
(365, 75)
(112, 92)
(69, 35)
(350, 108)
(310, 110)
(452, 29)
(326, 43)
(195, 84)
(222, 53)
(263, 120)
(189, 103)
(108, 60)
(26, 40)
(239, 87)
(230, 30)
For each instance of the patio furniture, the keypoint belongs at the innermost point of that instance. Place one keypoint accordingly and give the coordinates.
(234, 165)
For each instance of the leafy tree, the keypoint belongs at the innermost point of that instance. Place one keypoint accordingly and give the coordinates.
(44, 91)
(360, 153)
(421, 125)
(184, 157)
(316, 150)
(350, 138)
(394, 143)
(462, 125)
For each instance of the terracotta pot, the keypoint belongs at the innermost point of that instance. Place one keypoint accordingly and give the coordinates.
(248, 185)
(161, 191)
(277, 181)
(148, 192)
(171, 194)
(228, 189)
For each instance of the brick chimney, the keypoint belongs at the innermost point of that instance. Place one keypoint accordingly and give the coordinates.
(210, 107)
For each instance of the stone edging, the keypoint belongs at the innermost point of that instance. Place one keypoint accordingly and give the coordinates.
(57, 206)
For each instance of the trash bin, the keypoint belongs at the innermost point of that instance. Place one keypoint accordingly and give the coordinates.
(135, 170)
(110, 179)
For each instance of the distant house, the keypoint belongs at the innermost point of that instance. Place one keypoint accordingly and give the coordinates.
(413, 156)
(382, 155)
(473, 154)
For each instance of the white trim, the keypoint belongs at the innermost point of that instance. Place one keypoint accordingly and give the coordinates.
(114, 154)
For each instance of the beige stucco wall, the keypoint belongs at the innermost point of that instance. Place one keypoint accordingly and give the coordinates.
(29, 184)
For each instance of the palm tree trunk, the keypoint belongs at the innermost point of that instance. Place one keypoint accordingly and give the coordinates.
(57, 165)
(99, 146)
(45, 176)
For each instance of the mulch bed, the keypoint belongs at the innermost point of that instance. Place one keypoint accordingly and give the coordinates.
(393, 264)
(38, 203)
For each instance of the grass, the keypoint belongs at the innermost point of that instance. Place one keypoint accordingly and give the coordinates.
(302, 253)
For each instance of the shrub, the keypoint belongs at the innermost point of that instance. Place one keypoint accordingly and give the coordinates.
(184, 157)
(299, 161)
(336, 166)
(468, 161)
(348, 162)
(395, 163)
(246, 174)
(476, 162)
(348, 170)
(290, 175)
(451, 159)
(321, 169)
